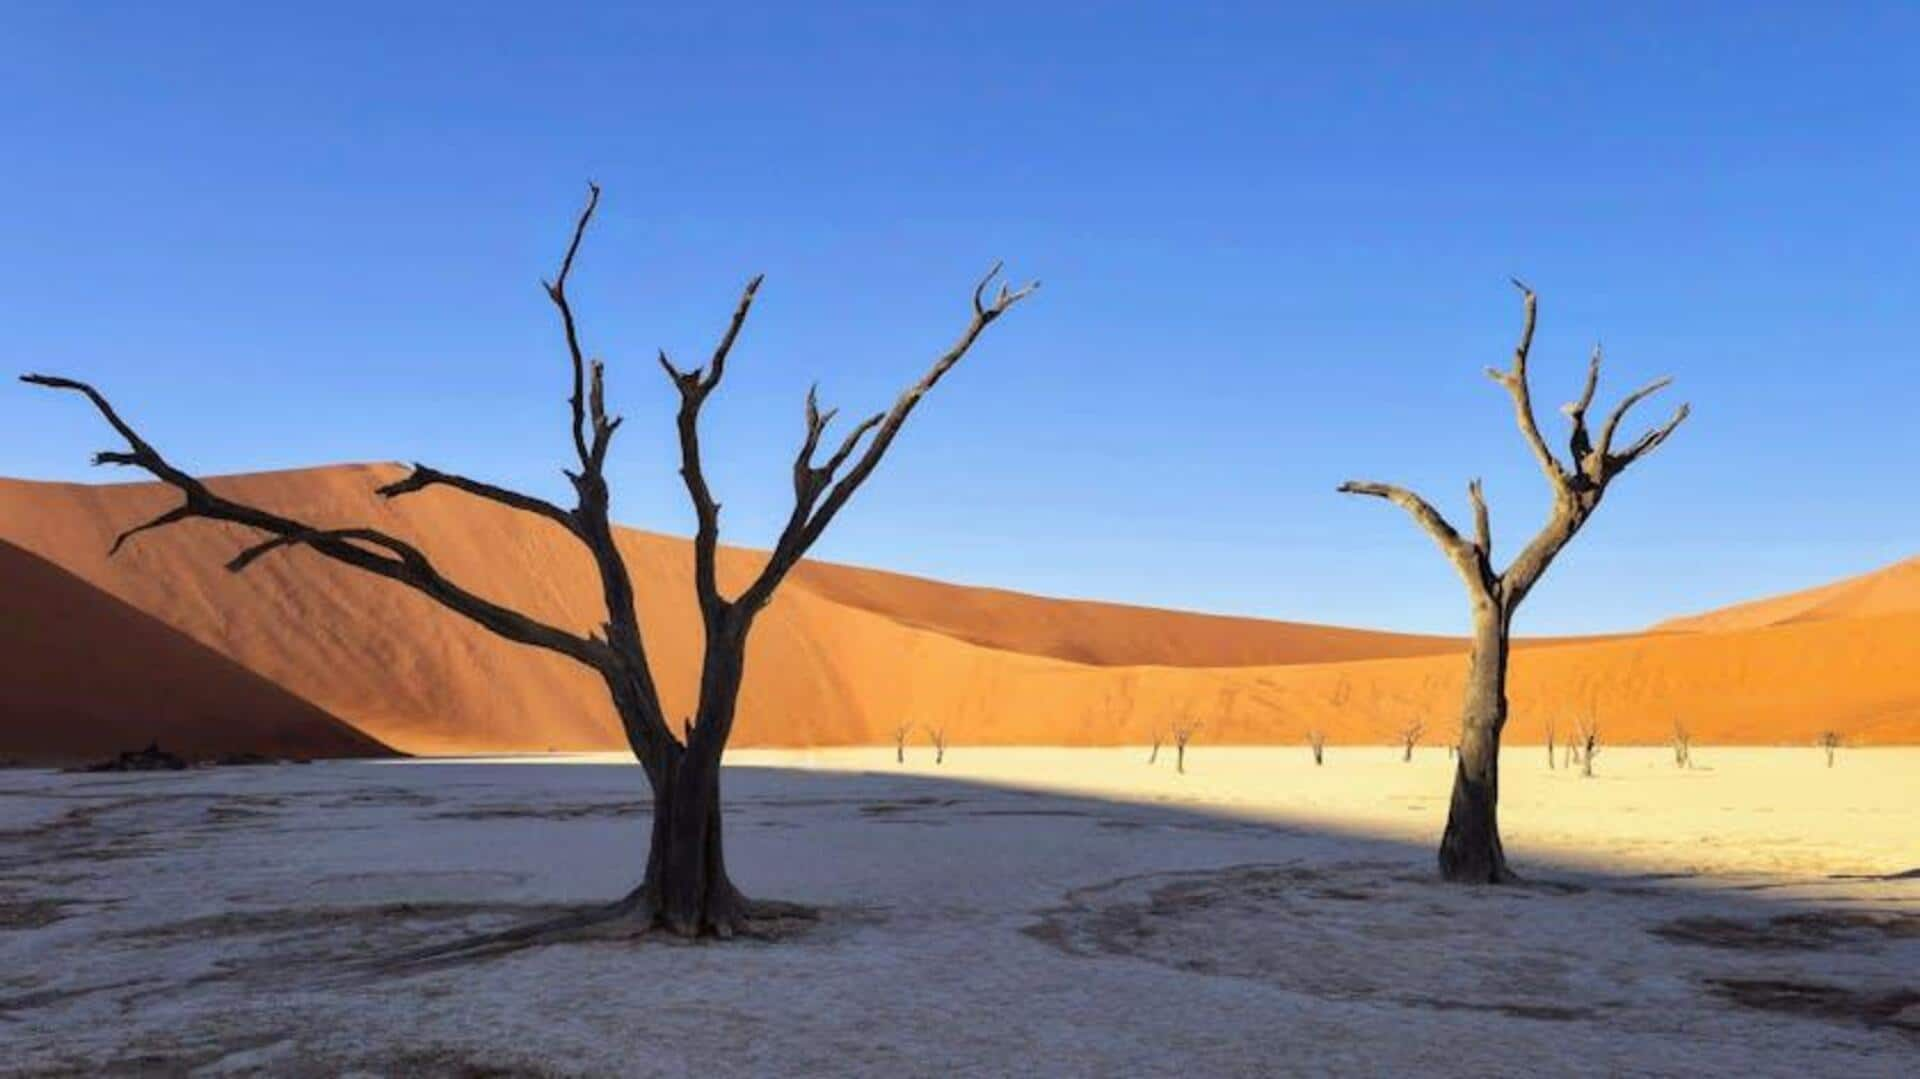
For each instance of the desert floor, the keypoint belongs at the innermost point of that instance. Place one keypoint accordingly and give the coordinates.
(1013, 912)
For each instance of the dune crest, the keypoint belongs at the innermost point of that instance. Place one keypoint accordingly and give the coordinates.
(1892, 589)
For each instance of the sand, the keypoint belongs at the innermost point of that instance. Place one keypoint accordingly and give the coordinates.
(1016, 911)
(844, 655)
(86, 676)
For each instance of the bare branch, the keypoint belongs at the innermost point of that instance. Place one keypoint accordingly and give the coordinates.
(172, 516)
(808, 520)
(1579, 442)
(1650, 441)
(888, 428)
(1605, 444)
(423, 477)
(557, 292)
(1514, 380)
(717, 366)
(1482, 525)
(405, 564)
(1463, 555)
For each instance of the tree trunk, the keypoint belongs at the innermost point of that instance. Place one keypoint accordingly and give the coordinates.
(1470, 850)
(686, 883)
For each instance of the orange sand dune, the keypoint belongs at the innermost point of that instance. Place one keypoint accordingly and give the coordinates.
(1892, 590)
(844, 654)
(84, 676)
(1103, 634)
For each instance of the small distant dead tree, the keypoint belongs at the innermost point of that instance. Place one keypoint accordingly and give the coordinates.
(1410, 735)
(1317, 739)
(1183, 732)
(1829, 741)
(1551, 730)
(901, 732)
(938, 734)
(685, 886)
(1682, 745)
(1589, 735)
(1470, 849)
(1156, 735)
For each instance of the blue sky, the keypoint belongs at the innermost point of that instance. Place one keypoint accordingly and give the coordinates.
(1275, 245)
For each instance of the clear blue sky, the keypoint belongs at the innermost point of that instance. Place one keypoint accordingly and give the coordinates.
(1275, 246)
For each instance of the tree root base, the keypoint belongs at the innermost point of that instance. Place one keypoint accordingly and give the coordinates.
(631, 918)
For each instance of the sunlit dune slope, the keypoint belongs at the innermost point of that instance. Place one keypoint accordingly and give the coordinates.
(1892, 590)
(84, 676)
(844, 654)
(1103, 634)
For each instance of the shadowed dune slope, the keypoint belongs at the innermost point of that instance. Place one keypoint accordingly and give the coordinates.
(84, 676)
(844, 654)
(1894, 589)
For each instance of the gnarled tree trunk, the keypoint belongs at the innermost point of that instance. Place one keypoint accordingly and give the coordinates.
(1470, 848)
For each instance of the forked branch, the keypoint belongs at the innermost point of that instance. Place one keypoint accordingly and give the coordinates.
(1577, 489)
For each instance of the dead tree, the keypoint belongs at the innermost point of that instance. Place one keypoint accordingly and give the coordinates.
(1470, 849)
(1682, 745)
(901, 732)
(1157, 736)
(1550, 734)
(1829, 741)
(1588, 733)
(1183, 731)
(684, 885)
(1317, 739)
(938, 735)
(1410, 735)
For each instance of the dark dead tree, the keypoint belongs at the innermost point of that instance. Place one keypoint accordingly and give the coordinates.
(1156, 736)
(938, 735)
(684, 886)
(1337, 700)
(1588, 733)
(1682, 745)
(1829, 741)
(1410, 735)
(1470, 849)
(1550, 733)
(901, 732)
(1183, 732)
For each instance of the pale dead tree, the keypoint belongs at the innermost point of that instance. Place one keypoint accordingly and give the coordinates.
(1829, 741)
(684, 886)
(1572, 752)
(1317, 739)
(1410, 735)
(1470, 849)
(1550, 733)
(901, 732)
(1588, 733)
(1682, 745)
(938, 735)
(1183, 732)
